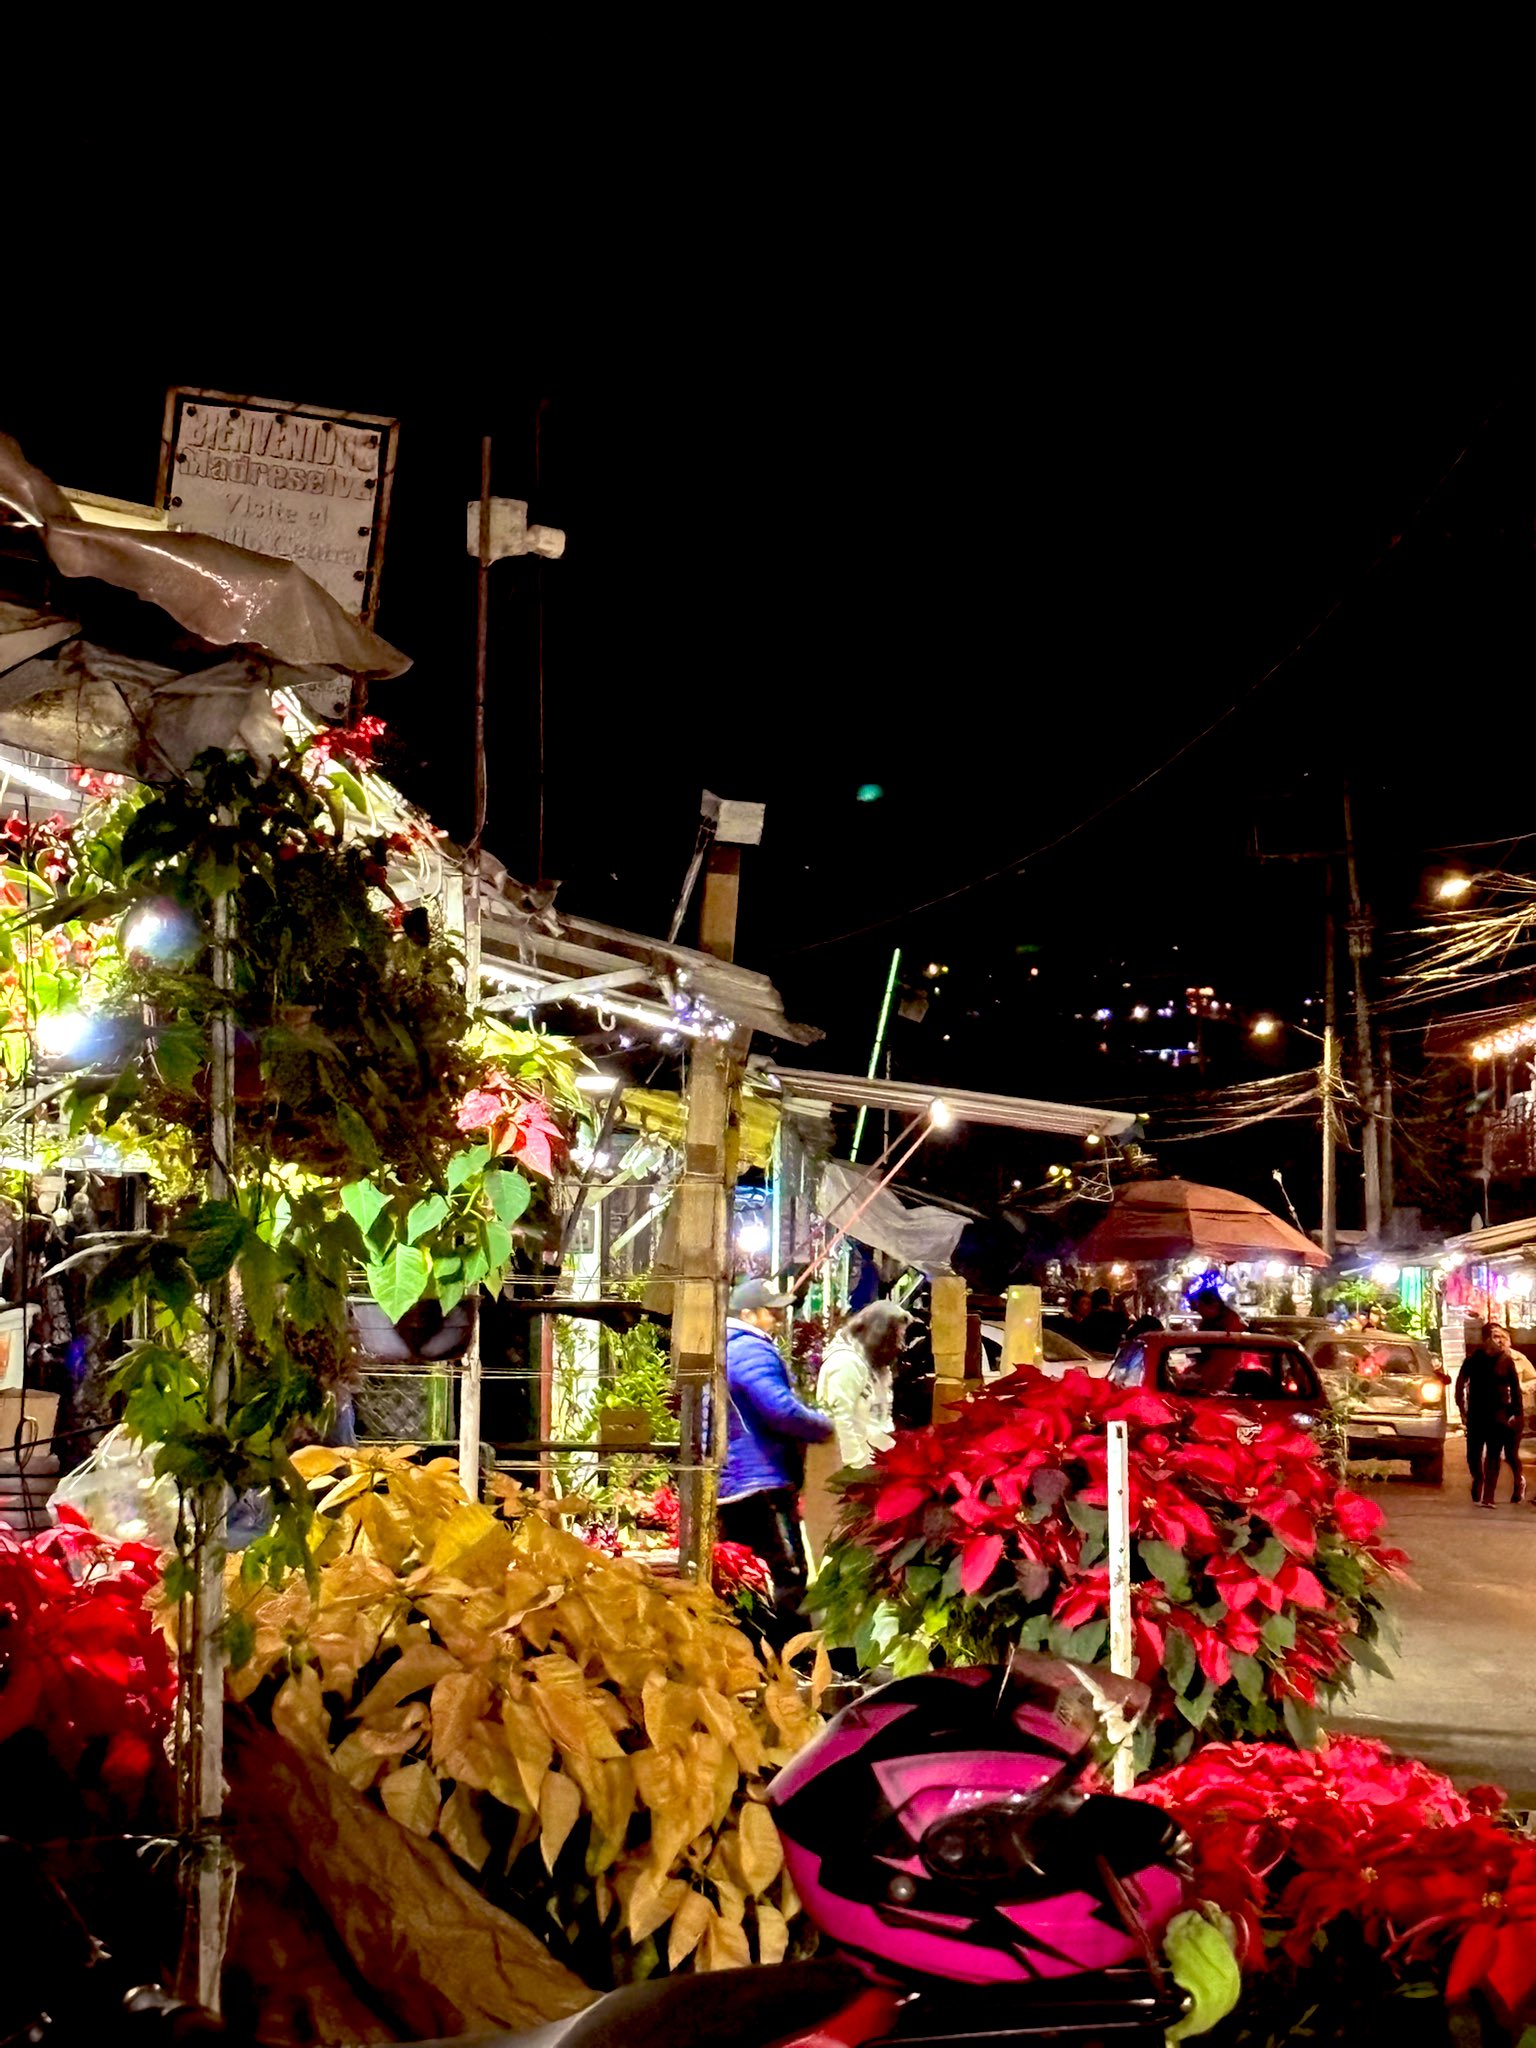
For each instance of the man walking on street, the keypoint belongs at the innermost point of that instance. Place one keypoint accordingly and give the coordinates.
(1488, 1395)
(765, 1453)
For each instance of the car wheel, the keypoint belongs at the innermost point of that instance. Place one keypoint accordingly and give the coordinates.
(1431, 1470)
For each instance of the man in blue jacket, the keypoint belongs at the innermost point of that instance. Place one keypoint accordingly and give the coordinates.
(765, 1457)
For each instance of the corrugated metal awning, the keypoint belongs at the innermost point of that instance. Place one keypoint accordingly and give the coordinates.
(1496, 1239)
(912, 1098)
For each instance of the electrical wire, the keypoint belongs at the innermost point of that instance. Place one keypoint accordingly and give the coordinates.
(1171, 760)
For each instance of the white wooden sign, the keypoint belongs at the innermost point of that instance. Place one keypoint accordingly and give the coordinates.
(306, 484)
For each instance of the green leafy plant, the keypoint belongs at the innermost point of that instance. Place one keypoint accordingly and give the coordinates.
(354, 1051)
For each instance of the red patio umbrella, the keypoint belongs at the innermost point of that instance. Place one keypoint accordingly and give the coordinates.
(1170, 1219)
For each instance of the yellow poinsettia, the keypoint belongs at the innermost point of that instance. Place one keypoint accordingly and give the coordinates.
(571, 1726)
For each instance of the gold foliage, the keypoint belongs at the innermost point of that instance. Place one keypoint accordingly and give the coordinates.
(461, 1663)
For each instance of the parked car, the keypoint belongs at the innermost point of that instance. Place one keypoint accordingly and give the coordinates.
(1265, 1378)
(1061, 1355)
(1389, 1394)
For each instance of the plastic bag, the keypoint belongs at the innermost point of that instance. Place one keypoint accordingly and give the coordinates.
(118, 1494)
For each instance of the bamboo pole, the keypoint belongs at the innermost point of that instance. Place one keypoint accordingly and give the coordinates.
(200, 1694)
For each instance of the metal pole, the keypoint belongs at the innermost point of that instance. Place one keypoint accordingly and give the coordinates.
(1388, 1196)
(1122, 1644)
(1359, 953)
(874, 1058)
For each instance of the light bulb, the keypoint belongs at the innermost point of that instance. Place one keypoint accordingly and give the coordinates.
(753, 1238)
(940, 1116)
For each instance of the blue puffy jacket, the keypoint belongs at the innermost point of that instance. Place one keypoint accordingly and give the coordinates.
(767, 1424)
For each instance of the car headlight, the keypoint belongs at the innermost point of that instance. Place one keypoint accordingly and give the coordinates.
(1431, 1393)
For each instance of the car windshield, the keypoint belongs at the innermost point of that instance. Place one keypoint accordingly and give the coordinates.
(1232, 1369)
(1059, 1350)
(1371, 1359)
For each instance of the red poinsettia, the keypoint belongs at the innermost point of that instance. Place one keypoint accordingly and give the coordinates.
(515, 1121)
(1256, 1576)
(355, 745)
(81, 1659)
(1294, 1841)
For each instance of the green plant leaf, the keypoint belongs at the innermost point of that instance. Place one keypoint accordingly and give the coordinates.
(258, 1285)
(1279, 1631)
(171, 1276)
(1249, 1674)
(355, 1135)
(1178, 1659)
(510, 1193)
(498, 1245)
(1195, 1710)
(449, 1294)
(362, 1202)
(1167, 1564)
(425, 1215)
(215, 1236)
(398, 1282)
(464, 1164)
(1301, 1723)
(180, 1056)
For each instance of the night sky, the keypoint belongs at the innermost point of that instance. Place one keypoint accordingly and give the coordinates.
(1000, 558)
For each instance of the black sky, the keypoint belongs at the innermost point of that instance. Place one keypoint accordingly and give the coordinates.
(1000, 540)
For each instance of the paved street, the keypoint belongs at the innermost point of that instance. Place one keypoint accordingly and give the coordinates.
(1464, 1694)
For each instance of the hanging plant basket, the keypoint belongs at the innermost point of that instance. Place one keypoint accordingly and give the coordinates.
(423, 1332)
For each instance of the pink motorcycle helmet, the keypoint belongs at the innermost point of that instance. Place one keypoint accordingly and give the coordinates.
(939, 1827)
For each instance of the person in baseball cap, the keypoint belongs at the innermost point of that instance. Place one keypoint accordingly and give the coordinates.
(769, 1428)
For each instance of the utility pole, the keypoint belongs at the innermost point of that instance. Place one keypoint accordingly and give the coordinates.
(1328, 1078)
(1359, 954)
(1388, 1193)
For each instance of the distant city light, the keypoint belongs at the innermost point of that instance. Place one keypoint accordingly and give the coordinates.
(1102, 1016)
(1139, 1012)
(1264, 1027)
(869, 793)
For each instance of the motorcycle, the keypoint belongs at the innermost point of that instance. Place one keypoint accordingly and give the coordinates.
(945, 1835)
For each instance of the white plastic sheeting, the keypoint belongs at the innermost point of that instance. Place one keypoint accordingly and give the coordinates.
(921, 1237)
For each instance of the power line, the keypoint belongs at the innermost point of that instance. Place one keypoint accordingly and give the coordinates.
(1134, 789)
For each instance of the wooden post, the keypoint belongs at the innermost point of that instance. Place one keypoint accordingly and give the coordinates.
(950, 1341)
(1022, 1343)
(1122, 1648)
(701, 1213)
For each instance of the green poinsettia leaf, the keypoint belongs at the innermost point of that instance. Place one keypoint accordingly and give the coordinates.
(510, 1193)
(465, 1164)
(425, 1215)
(1249, 1674)
(398, 1282)
(1167, 1564)
(362, 1202)
(1178, 1659)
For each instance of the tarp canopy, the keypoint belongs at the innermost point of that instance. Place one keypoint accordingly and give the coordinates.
(1169, 1219)
(923, 1236)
